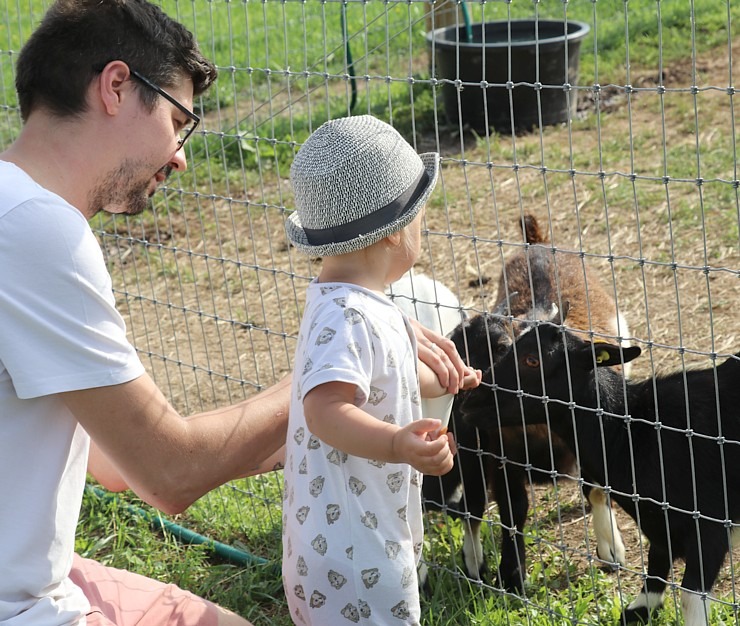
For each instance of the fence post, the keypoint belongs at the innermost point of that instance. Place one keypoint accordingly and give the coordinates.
(442, 13)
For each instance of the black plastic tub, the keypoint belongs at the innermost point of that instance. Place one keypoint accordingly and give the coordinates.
(515, 70)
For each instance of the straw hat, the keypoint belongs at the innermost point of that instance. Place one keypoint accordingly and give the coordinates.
(356, 180)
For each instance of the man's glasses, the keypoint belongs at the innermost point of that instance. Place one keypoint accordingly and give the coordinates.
(186, 130)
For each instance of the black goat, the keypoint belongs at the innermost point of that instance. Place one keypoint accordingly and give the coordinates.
(666, 448)
(492, 463)
(534, 280)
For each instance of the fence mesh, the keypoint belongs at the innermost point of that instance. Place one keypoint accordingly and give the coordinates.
(638, 182)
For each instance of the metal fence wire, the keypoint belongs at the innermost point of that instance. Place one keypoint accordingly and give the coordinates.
(589, 157)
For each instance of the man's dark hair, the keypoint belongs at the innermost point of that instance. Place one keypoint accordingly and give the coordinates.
(78, 38)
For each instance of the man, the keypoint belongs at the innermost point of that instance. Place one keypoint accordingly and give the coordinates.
(106, 92)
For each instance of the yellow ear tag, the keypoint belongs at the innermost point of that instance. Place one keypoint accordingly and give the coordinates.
(602, 356)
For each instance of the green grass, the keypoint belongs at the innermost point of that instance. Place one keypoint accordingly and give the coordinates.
(555, 593)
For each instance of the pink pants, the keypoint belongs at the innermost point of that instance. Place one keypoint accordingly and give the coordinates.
(120, 598)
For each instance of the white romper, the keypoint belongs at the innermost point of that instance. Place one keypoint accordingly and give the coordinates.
(352, 526)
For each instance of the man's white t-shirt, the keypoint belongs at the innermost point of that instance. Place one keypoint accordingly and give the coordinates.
(59, 331)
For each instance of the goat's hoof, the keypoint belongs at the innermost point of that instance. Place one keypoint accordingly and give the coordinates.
(611, 557)
(512, 582)
(608, 565)
(483, 574)
(638, 615)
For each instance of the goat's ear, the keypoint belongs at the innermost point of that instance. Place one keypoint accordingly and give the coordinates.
(607, 354)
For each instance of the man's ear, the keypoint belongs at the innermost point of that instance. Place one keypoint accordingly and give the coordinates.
(110, 86)
(605, 354)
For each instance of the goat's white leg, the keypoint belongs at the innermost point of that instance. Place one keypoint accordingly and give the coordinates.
(649, 600)
(472, 548)
(422, 573)
(696, 610)
(609, 544)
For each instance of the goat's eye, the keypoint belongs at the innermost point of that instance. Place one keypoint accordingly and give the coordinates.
(531, 361)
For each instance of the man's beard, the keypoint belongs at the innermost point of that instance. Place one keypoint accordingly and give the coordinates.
(123, 190)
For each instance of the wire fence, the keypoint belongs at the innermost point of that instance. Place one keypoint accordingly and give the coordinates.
(613, 124)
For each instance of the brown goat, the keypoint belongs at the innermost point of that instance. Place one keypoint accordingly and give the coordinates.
(540, 276)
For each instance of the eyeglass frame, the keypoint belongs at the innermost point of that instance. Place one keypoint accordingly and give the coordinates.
(190, 114)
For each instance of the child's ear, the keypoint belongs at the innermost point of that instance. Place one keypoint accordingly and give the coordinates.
(394, 239)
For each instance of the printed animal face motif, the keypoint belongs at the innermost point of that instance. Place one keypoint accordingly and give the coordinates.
(370, 577)
(337, 457)
(319, 544)
(356, 486)
(316, 486)
(391, 360)
(401, 610)
(351, 316)
(317, 600)
(355, 349)
(375, 463)
(408, 577)
(303, 466)
(376, 396)
(301, 567)
(302, 514)
(402, 513)
(404, 388)
(395, 482)
(392, 548)
(351, 613)
(332, 513)
(299, 593)
(370, 520)
(325, 290)
(307, 366)
(325, 336)
(314, 443)
(299, 435)
(340, 302)
(350, 552)
(364, 609)
(336, 580)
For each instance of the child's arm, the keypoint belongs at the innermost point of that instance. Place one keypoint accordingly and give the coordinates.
(333, 418)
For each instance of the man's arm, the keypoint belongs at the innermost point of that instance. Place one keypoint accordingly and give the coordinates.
(103, 470)
(170, 461)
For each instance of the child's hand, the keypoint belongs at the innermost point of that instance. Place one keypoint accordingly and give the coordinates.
(425, 447)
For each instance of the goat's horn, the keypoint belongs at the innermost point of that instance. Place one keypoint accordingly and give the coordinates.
(557, 316)
(504, 307)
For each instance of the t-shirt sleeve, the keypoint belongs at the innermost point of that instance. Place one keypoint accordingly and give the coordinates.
(60, 329)
(339, 347)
